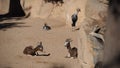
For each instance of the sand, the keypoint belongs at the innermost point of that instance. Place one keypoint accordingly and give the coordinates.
(29, 32)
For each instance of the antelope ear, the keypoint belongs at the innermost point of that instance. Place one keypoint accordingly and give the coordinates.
(65, 44)
(70, 40)
(40, 43)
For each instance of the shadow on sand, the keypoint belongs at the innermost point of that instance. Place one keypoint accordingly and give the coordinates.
(5, 26)
(14, 18)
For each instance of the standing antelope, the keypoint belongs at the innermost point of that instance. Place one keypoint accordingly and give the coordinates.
(72, 51)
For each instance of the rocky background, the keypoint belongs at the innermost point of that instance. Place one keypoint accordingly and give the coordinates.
(93, 12)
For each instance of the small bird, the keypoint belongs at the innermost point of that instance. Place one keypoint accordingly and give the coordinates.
(46, 27)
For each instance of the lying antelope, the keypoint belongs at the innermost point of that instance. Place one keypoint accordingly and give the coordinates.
(29, 50)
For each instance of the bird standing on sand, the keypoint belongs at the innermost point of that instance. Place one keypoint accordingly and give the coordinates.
(75, 17)
(46, 27)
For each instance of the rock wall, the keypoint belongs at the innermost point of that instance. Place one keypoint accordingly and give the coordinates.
(112, 48)
(90, 51)
(94, 8)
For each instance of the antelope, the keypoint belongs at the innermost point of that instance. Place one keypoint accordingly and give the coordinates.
(29, 50)
(73, 53)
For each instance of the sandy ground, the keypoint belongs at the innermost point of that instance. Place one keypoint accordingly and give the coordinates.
(29, 32)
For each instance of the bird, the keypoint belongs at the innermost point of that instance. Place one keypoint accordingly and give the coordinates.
(46, 27)
(74, 17)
